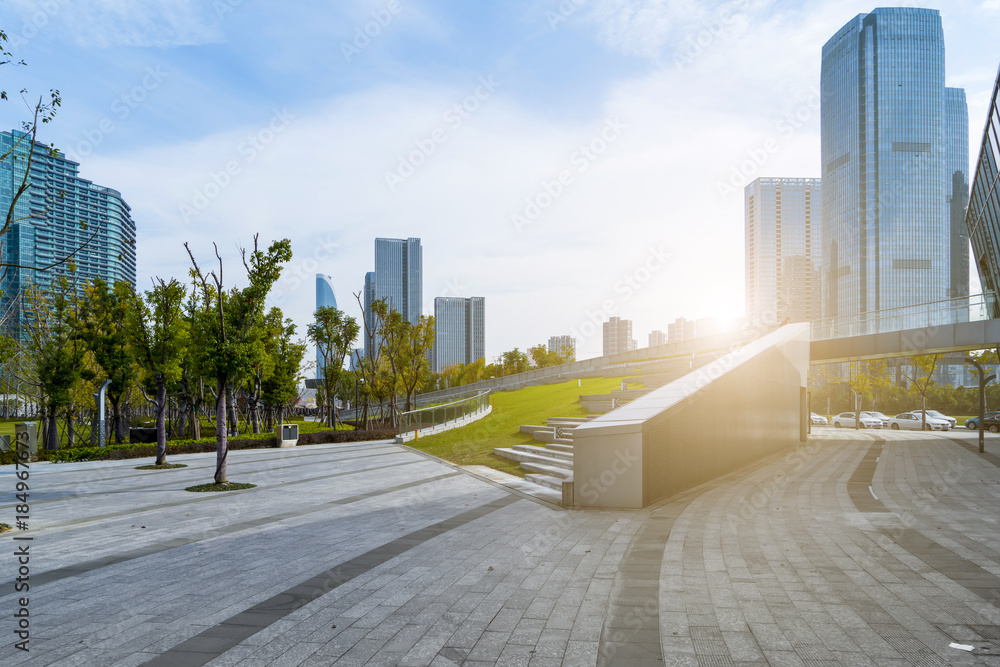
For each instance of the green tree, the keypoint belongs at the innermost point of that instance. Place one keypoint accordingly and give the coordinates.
(159, 337)
(414, 361)
(104, 312)
(334, 334)
(280, 386)
(920, 374)
(228, 324)
(515, 361)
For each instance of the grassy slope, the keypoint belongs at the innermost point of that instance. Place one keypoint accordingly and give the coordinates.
(473, 444)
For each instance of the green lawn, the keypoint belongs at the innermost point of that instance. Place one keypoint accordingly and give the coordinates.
(473, 444)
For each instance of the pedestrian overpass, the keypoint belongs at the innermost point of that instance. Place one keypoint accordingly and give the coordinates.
(941, 327)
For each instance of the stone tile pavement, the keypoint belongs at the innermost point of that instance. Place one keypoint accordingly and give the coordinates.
(870, 548)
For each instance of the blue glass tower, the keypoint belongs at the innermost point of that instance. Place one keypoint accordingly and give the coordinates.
(399, 276)
(325, 297)
(54, 219)
(891, 132)
(459, 331)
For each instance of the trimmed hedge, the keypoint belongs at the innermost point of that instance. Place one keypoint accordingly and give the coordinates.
(205, 445)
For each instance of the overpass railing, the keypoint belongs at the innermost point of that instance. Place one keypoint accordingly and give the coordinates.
(936, 313)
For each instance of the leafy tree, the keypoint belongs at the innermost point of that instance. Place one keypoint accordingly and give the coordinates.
(159, 336)
(102, 326)
(414, 361)
(515, 361)
(280, 387)
(920, 375)
(334, 334)
(227, 325)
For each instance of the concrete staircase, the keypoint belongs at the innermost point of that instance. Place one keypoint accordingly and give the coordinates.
(550, 464)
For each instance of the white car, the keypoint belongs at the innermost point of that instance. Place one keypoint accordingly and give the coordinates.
(937, 415)
(877, 415)
(846, 420)
(909, 421)
(818, 419)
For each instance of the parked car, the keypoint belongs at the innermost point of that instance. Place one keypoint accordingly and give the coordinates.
(973, 422)
(909, 421)
(877, 415)
(991, 422)
(820, 419)
(846, 420)
(952, 422)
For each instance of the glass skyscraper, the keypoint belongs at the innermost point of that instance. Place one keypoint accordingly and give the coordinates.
(983, 217)
(399, 276)
(893, 137)
(54, 219)
(783, 250)
(325, 297)
(459, 331)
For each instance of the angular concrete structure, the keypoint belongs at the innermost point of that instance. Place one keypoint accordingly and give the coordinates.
(739, 408)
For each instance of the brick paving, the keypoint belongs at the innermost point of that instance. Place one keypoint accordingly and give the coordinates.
(858, 548)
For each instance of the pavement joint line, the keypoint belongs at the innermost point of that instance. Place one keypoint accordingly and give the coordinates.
(210, 644)
(167, 485)
(861, 480)
(986, 456)
(51, 576)
(213, 496)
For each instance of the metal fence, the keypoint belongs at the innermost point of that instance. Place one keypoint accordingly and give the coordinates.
(436, 415)
(951, 311)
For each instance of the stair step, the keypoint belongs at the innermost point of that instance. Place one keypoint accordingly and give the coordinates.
(527, 457)
(531, 428)
(557, 447)
(545, 451)
(546, 469)
(548, 481)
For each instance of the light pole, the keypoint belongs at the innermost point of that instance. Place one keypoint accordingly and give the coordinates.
(857, 412)
(983, 381)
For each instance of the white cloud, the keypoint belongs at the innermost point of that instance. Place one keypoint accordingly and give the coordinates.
(108, 23)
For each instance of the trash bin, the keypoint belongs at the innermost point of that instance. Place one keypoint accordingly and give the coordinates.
(289, 436)
(26, 435)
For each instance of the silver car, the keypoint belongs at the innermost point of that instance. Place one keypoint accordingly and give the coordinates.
(952, 422)
(877, 415)
(909, 421)
(846, 420)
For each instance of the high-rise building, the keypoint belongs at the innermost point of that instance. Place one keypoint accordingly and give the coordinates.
(890, 132)
(325, 298)
(983, 217)
(680, 329)
(59, 215)
(957, 187)
(618, 336)
(657, 337)
(459, 331)
(783, 245)
(399, 276)
(557, 343)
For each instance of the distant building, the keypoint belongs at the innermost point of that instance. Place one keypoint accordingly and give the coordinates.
(618, 336)
(783, 245)
(557, 343)
(657, 338)
(399, 276)
(325, 298)
(983, 218)
(459, 331)
(59, 215)
(680, 329)
(892, 144)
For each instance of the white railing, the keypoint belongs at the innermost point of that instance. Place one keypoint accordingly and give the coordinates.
(937, 313)
(434, 416)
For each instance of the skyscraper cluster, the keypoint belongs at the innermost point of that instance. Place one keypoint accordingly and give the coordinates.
(884, 225)
(60, 215)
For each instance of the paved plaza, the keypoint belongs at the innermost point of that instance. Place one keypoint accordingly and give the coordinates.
(870, 548)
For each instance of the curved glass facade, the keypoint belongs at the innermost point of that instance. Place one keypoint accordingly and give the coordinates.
(983, 217)
(325, 297)
(890, 133)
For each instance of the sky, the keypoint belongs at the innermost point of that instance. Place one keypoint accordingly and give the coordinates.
(567, 160)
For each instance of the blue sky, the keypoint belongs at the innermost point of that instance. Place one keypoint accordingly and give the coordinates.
(220, 118)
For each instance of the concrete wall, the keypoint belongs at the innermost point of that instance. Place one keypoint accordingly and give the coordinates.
(731, 412)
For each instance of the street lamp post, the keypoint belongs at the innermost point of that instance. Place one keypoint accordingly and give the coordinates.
(857, 412)
(983, 381)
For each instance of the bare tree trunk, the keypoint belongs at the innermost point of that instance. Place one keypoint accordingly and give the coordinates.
(221, 444)
(70, 430)
(234, 422)
(161, 429)
(52, 433)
